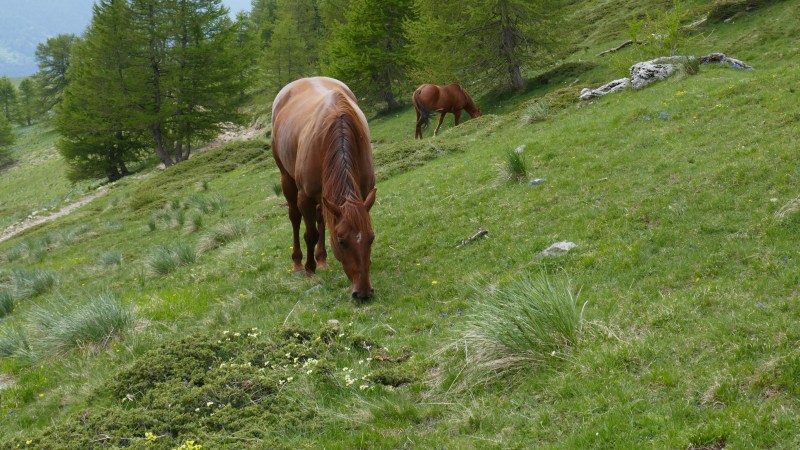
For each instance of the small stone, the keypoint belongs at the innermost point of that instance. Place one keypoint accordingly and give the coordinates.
(559, 248)
(536, 181)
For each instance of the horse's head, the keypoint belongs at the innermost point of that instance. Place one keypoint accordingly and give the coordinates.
(473, 110)
(351, 239)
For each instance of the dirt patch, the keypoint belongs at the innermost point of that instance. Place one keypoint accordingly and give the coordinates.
(32, 221)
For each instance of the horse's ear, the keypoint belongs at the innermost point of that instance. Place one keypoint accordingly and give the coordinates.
(370, 200)
(332, 207)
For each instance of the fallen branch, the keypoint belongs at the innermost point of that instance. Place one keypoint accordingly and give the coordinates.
(474, 237)
(619, 47)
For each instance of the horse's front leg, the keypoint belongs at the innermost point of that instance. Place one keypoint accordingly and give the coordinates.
(321, 254)
(309, 210)
(441, 119)
(458, 116)
(290, 193)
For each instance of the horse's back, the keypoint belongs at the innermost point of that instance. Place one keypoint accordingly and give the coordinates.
(299, 115)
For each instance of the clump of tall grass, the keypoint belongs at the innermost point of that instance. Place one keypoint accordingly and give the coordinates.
(15, 253)
(195, 222)
(88, 328)
(109, 258)
(535, 112)
(31, 283)
(223, 234)
(13, 342)
(515, 166)
(165, 259)
(6, 302)
(521, 325)
(690, 65)
(72, 235)
(277, 188)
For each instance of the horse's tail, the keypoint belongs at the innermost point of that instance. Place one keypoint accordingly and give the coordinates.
(424, 113)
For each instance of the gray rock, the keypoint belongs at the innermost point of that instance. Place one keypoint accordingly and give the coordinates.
(536, 181)
(613, 86)
(644, 73)
(559, 248)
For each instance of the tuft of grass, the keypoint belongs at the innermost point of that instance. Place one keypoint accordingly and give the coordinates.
(165, 259)
(6, 302)
(151, 224)
(515, 166)
(223, 234)
(690, 65)
(110, 258)
(525, 323)
(16, 252)
(13, 342)
(202, 186)
(88, 328)
(185, 253)
(195, 222)
(277, 189)
(535, 111)
(31, 283)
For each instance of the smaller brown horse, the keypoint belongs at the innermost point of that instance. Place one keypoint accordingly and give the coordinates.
(451, 98)
(320, 141)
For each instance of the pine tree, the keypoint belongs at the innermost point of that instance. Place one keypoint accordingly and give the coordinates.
(6, 139)
(98, 118)
(292, 51)
(205, 83)
(53, 57)
(371, 52)
(471, 40)
(8, 99)
(28, 102)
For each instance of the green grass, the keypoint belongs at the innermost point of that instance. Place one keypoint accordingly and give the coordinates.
(687, 261)
(6, 302)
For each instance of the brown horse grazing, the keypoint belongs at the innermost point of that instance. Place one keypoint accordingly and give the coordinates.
(320, 141)
(451, 98)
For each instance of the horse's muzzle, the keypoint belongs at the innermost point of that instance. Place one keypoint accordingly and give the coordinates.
(363, 295)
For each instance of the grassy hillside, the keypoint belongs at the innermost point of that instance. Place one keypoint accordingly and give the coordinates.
(682, 199)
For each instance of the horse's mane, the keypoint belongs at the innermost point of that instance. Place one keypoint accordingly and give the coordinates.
(342, 136)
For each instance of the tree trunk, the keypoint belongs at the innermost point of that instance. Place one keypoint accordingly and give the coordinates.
(159, 140)
(391, 102)
(508, 46)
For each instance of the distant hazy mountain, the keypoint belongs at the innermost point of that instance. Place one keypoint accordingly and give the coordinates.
(26, 23)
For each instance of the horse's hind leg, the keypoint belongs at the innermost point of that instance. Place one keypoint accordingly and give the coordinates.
(321, 254)
(418, 132)
(441, 119)
(457, 114)
(309, 210)
(290, 192)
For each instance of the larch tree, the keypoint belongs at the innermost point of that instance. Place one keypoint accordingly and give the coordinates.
(8, 99)
(371, 51)
(205, 83)
(293, 48)
(53, 57)
(6, 139)
(98, 116)
(28, 101)
(471, 40)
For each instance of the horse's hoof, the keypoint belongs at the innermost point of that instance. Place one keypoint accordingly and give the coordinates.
(298, 268)
(322, 265)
